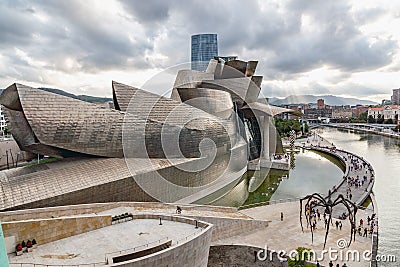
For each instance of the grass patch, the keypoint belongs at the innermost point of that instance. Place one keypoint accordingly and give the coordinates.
(303, 255)
(42, 161)
(367, 202)
(265, 191)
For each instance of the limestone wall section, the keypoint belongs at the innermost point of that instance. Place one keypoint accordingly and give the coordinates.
(49, 230)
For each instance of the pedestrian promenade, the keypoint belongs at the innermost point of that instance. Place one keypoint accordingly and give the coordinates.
(358, 179)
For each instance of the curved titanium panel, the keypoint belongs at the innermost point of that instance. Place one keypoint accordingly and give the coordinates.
(122, 94)
(241, 89)
(211, 101)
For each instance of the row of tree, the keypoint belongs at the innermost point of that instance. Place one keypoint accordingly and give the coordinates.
(380, 119)
(364, 118)
(284, 126)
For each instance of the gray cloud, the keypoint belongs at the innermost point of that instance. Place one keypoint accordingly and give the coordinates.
(156, 33)
(148, 12)
(277, 30)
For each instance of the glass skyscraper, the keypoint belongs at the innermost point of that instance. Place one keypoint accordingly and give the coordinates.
(204, 48)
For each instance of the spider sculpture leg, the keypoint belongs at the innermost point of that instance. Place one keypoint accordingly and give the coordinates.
(350, 206)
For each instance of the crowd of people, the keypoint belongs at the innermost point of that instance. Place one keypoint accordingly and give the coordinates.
(357, 181)
(366, 230)
(313, 215)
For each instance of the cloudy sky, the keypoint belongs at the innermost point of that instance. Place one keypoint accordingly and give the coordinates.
(348, 48)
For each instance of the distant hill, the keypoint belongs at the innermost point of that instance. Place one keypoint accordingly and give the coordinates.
(329, 100)
(273, 99)
(87, 98)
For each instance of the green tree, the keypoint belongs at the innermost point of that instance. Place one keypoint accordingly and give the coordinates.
(303, 255)
(371, 119)
(6, 131)
(380, 119)
(363, 116)
(285, 126)
(389, 121)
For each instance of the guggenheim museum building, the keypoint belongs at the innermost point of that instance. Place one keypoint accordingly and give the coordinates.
(191, 147)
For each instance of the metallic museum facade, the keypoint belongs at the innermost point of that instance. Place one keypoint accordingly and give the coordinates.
(190, 148)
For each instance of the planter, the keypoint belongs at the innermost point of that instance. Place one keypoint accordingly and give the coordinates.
(19, 253)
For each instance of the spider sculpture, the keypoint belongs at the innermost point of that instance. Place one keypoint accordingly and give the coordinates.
(316, 200)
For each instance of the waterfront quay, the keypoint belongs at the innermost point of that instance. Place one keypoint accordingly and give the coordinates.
(379, 129)
(359, 177)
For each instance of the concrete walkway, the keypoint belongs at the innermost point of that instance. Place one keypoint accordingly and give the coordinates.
(355, 194)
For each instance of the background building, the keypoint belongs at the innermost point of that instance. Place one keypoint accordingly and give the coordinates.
(396, 97)
(314, 113)
(387, 112)
(390, 112)
(2, 121)
(358, 110)
(376, 112)
(321, 104)
(204, 48)
(340, 112)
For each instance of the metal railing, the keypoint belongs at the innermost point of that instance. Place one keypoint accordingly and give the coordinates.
(184, 239)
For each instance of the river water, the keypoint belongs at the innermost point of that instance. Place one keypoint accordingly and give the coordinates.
(308, 175)
(384, 155)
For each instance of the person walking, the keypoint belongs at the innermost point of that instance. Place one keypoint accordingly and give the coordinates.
(330, 264)
(340, 226)
(365, 232)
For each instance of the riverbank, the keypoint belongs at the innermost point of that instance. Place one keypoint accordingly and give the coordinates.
(364, 129)
(355, 168)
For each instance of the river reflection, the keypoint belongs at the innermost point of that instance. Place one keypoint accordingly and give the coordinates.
(308, 176)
